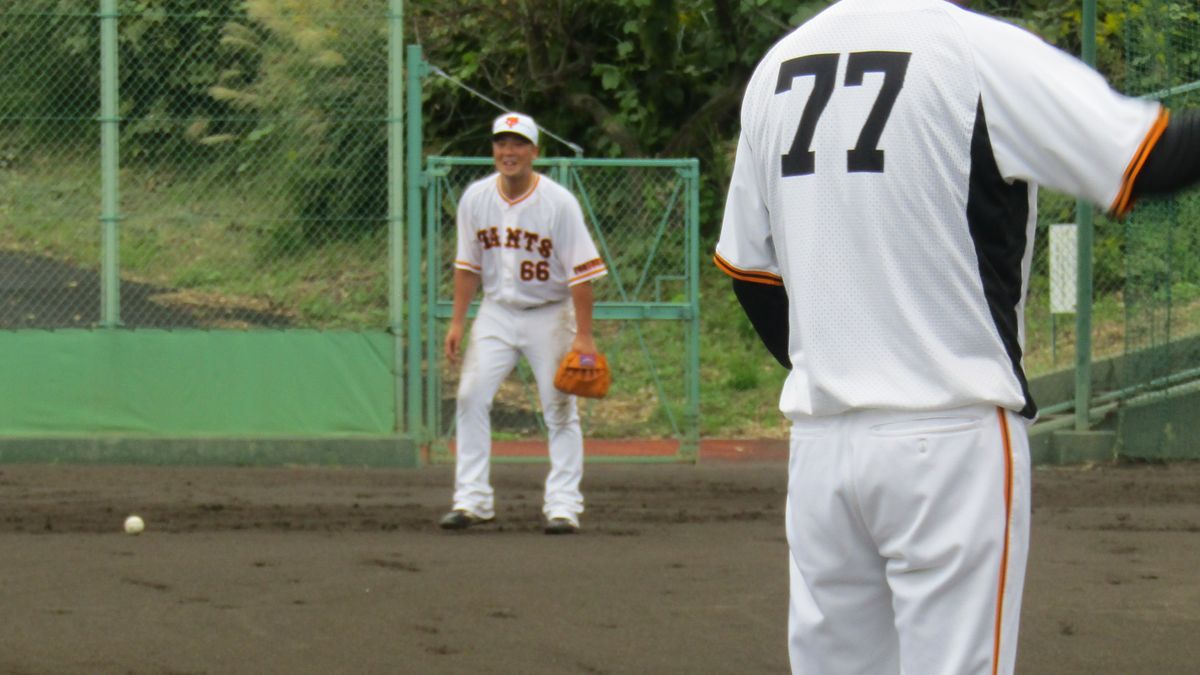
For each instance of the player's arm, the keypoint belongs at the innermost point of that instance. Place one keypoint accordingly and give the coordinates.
(582, 298)
(1174, 162)
(1054, 121)
(765, 302)
(468, 268)
(746, 253)
(466, 283)
(766, 305)
(578, 255)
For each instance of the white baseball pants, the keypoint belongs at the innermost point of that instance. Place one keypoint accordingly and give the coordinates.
(499, 336)
(908, 536)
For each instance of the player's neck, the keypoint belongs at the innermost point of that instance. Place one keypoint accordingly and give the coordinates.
(515, 187)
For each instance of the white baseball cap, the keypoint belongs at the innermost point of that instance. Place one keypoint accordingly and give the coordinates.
(516, 123)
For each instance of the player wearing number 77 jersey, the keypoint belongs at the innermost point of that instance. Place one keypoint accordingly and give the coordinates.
(879, 228)
(524, 236)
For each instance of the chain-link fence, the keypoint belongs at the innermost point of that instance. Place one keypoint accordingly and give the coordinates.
(49, 165)
(252, 155)
(1049, 321)
(642, 216)
(1161, 288)
(1162, 273)
(1144, 274)
(252, 139)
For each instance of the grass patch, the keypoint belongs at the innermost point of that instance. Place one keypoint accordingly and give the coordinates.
(205, 234)
(209, 240)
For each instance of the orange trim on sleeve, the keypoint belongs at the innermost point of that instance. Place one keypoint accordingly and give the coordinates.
(464, 265)
(1008, 498)
(1124, 201)
(590, 274)
(752, 276)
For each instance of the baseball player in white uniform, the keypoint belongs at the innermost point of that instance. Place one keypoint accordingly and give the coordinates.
(883, 200)
(524, 237)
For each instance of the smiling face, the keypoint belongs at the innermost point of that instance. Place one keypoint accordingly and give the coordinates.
(513, 156)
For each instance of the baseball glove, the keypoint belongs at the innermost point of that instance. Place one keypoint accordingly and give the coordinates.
(583, 375)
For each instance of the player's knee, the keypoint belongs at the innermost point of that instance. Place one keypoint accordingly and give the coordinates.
(559, 412)
(470, 398)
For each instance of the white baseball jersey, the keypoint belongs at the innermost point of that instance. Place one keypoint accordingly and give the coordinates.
(529, 250)
(886, 175)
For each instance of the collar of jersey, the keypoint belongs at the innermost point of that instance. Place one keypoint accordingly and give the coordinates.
(536, 177)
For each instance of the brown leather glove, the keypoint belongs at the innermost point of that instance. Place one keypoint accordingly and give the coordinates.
(583, 375)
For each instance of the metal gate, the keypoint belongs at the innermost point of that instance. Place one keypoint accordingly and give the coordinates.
(643, 216)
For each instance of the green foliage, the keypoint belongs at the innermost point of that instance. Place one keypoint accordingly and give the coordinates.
(741, 380)
(1163, 40)
(168, 54)
(51, 68)
(268, 83)
(628, 78)
(1141, 45)
(1060, 23)
(293, 92)
(743, 377)
(319, 99)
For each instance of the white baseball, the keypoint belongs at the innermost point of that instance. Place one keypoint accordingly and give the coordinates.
(134, 525)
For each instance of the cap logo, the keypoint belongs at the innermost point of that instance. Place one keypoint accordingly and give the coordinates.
(512, 121)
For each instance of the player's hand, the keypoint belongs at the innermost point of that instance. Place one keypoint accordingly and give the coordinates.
(453, 342)
(584, 344)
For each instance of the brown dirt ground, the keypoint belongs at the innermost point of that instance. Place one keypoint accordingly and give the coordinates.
(680, 569)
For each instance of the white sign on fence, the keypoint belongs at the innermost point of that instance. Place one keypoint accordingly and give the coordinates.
(1063, 268)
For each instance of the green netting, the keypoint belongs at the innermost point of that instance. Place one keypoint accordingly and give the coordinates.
(1049, 327)
(49, 166)
(1144, 275)
(253, 166)
(1161, 290)
(253, 142)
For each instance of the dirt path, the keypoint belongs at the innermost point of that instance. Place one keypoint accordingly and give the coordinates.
(681, 569)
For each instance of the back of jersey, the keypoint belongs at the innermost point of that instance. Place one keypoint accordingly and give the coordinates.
(861, 140)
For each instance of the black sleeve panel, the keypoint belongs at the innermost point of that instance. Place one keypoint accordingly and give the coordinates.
(766, 306)
(1173, 162)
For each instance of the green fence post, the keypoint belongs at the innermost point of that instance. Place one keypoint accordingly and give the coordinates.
(692, 417)
(110, 126)
(1085, 226)
(416, 71)
(433, 384)
(396, 199)
(1083, 317)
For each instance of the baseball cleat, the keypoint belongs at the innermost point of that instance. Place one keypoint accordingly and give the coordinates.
(460, 519)
(561, 526)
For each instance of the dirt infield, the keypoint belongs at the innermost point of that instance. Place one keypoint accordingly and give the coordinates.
(680, 569)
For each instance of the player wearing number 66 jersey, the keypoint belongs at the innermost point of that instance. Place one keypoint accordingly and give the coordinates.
(524, 237)
(879, 227)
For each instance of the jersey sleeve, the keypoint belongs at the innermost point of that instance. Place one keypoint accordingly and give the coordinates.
(468, 255)
(575, 247)
(1055, 121)
(745, 249)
